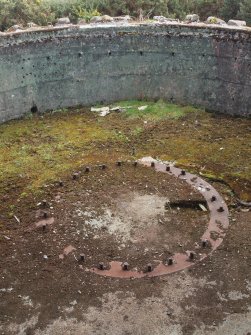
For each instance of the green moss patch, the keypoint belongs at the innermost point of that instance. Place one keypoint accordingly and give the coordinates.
(39, 150)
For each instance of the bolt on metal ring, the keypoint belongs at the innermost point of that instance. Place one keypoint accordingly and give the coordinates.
(170, 261)
(125, 266)
(101, 266)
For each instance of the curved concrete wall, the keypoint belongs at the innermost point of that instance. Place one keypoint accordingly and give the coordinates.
(198, 65)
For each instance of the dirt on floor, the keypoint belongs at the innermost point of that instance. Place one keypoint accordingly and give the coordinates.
(58, 219)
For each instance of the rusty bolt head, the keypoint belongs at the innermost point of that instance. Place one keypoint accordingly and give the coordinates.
(44, 226)
(204, 243)
(170, 261)
(60, 183)
(168, 168)
(119, 163)
(44, 203)
(135, 163)
(183, 172)
(125, 266)
(101, 266)
(82, 257)
(152, 164)
(213, 198)
(103, 166)
(87, 169)
(149, 267)
(191, 255)
(75, 176)
(45, 215)
(220, 209)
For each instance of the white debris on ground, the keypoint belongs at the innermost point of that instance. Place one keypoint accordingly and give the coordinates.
(142, 108)
(103, 111)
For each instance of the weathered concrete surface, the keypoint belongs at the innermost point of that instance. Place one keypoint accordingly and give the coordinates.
(192, 64)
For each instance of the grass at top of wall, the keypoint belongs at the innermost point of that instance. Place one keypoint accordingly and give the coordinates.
(154, 110)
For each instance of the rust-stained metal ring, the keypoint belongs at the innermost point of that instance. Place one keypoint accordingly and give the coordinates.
(218, 223)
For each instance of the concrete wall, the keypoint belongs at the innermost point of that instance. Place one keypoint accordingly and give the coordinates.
(198, 65)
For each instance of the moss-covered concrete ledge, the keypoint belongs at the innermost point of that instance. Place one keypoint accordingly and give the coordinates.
(207, 66)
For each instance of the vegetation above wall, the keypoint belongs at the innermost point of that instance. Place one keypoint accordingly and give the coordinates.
(43, 12)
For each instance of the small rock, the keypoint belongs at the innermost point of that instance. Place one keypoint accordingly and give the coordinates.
(237, 23)
(14, 28)
(125, 18)
(96, 19)
(81, 21)
(32, 25)
(107, 18)
(45, 257)
(164, 19)
(192, 18)
(101, 19)
(214, 20)
(63, 21)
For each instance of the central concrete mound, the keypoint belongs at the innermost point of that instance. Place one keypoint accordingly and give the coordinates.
(83, 65)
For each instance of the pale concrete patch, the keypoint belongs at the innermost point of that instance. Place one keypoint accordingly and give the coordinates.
(19, 329)
(130, 214)
(122, 313)
(235, 295)
(236, 324)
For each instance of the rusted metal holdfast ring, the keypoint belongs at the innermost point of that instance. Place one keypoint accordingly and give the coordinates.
(218, 224)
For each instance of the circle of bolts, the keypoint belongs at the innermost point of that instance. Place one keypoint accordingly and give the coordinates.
(125, 265)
